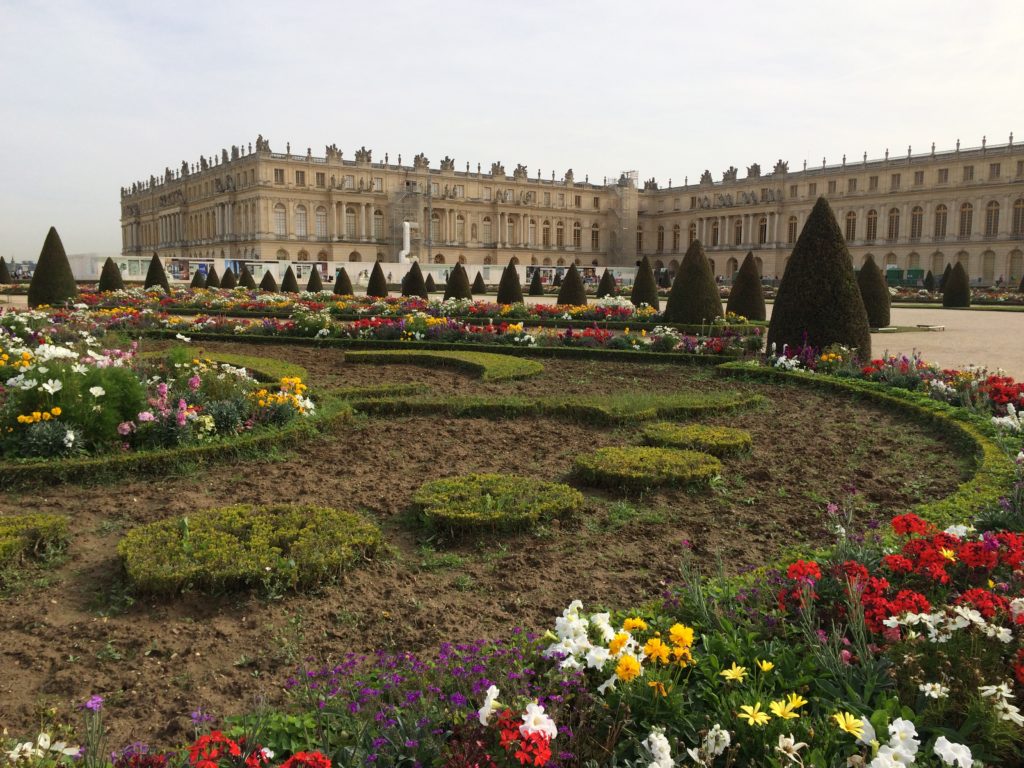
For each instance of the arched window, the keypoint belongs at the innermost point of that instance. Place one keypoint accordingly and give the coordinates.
(676, 232)
(762, 230)
(350, 222)
(714, 232)
(916, 223)
(661, 239)
(460, 228)
(731, 267)
(691, 234)
(560, 234)
(303, 256)
(639, 240)
(851, 227)
(966, 221)
(941, 214)
(577, 235)
(301, 228)
(737, 232)
(473, 232)
(378, 224)
(1018, 218)
(545, 233)
(595, 238)
(435, 227)
(487, 233)
(992, 219)
(282, 254)
(321, 221)
(893, 232)
(531, 238)
(872, 233)
(280, 221)
(791, 230)
(914, 261)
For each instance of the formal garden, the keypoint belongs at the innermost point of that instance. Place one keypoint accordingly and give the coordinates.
(259, 526)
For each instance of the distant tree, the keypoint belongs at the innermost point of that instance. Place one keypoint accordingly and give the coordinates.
(246, 279)
(288, 283)
(479, 287)
(430, 284)
(510, 290)
(645, 289)
(557, 282)
(945, 276)
(5, 274)
(958, 288)
(315, 284)
(269, 282)
(212, 278)
(342, 284)
(572, 291)
(929, 282)
(155, 275)
(229, 280)
(536, 286)
(110, 277)
(457, 285)
(747, 295)
(413, 283)
(694, 296)
(198, 279)
(378, 285)
(607, 285)
(52, 282)
(875, 293)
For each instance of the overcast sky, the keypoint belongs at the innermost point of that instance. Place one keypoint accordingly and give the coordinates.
(96, 95)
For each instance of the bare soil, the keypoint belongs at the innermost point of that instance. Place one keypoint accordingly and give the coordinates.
(72, 628)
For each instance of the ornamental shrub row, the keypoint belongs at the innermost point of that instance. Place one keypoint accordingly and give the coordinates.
(488, 366)
(718, 441)
(637, 468)
(30, 536)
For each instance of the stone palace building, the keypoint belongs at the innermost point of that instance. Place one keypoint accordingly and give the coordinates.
(912, 212)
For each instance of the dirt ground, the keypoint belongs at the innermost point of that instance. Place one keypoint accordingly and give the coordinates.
(72, 628)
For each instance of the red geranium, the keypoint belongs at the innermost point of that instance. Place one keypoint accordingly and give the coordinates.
(905, 525)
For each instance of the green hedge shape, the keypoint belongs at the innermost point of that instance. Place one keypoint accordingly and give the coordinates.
(52, 282)
(262, 368)
(694, 296)
(378, 284)
(640, 467)
(945, 277)
(572, 290)
(270, 547)
(747, 295)
(645, 289)
(718, 441)
(110, 277)
(30, 536)
(536, 286)
(5, 273)
(212, 278)
(479, 286)
(929, 282)
(413, 283)
(430, 284)
(493, 502)
(230, 280)
(198, 280)
(488, 366)
(958, 289)
(269, 283)
(288, 283)
(509, 289)
(378, 391)
(874, 291)
(457, 284)
(156, 277)
(246, 280)
(314, 284)
(342, 284)
(607, 285)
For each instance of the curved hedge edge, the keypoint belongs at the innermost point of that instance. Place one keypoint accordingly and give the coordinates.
(377, 391)
(154, 463)
(31, 533)
(717, 441)
(618, 467)
(261, 368)
(489, 366)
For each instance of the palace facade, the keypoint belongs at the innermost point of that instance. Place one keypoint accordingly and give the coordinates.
(913, 213)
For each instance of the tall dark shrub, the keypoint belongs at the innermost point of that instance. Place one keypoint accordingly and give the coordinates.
(572, 291)
(212, 278)
(430, 284)
(288, 283)
(378, 285)
(557, 282)
(457, 285)
(694, 296)
(52, 282)
(315, 284)
(874, 293)
(747, 295)
(1020, 288)
(110, 277)
(198, 279)
(945, 277)
(342, 284)
(479, 286)
(413, 284)
(645, 289)
(510, 291)
(929, 282)
(958, 288)
(536, 286)
(818, 301)
(269, 282)
(5, 273)
(229, 280)
(155, 275)
(246, 280)
(607, 285)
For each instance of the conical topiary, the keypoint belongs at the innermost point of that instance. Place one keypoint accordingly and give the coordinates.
(818, 302)
(929, 282)
(510, 291)
(52, 282)
(288, 283)
(269, 282)
(156, 277)
(694, 295)
(430, 284)
(378, 285)
(110, 277)
(479, 286)
(645, 289)
(607, 285)
(198, 279)
(1020, 288)
(875, 293)
(212, 278)
(557, 282)
(413, 283)
(958, 288)
(536, 286)
(945, 276)
(457, 285)
(747, 295)
(246, 280)
(229, 280)
(5, 273)
(315, 284)
(572, 291)
(342, 284)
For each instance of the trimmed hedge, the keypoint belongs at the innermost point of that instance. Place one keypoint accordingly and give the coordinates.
(509, 289)
(30, 536)
(229, 280)
(572, 291)
(343, 284)
(641, 467)
(493, 502)
(156, 277)
(607, 286)
(457, 284)
(269, 283)
(488, 366)
(262, 368)
(536, 286)
(110, 277)
(5, 273)
(314, 284)
(430, 284)
(378, 284)
(378, 391)
(198, 280)
(52, 281)
(694, 296)
(718, 441)
(747, 295)
(479, 286)
(247, 280)
(269, 547)
(212, 278)
(958, 289)
(645, 289)
(413, 283)
(875, 293)
(288, 283)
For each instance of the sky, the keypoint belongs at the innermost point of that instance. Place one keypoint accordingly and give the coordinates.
(97, 94)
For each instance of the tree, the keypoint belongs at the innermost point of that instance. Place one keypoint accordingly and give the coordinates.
(557, 282)
(457, 285)
(607, 285)
(747, 295)
(929, 282)
(645, 289)
(5, 273)
(155, 275)
(315, 284)
(413, 283)
(198, 279)
(52, 282)
(378, 285)
(694, 297)
(246, 280)
(479, 286)
(875, 293)
(269, 282)
(818, 302)
(536, 286)
(945, 277)
(229, 280)
(110, 277)
(958, 288)
(342, 284)
(510, 291)
(212, 278)
(572, 291)
(288, 283)
(430, 284)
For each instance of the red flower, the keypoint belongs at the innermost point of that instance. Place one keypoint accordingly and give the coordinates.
(1018, 666)
(987, 603)
(904, 525)
(307, 760)
(208, 749)
(897, 563)
(804, 571)
(976, 555)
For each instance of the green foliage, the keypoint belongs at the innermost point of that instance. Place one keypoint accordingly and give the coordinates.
(379, 391)
(641, 467)
(342, 284)
(32, 535)
(572, 291)
(315, 284)
(479, 287)
(110, 277)
(875, 293)
(747, 296)
(271, 547)
(262, 368)
(5, 273)
(694, 296)
(413, 283)
(818, 302)
(929, 282)
(488, 366)
(430, 284)
(510, 291)
(246, 279)
(958, 288)
(457, 285)
(607, 285)
(229, 280)
(52, 282)
(156, 277)
(378, 285)
(945, 277)
(212, 278)
(288, 283)
(198, 280)
(645, 289)
(269, 282)
(493, 502)
(536, 286)
(718, 441)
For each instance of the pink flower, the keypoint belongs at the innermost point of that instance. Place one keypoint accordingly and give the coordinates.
(161, 389)
(146, 416)
(125, 428)
(194, 383)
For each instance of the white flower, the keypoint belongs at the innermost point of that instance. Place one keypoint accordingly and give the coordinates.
(1008, 711)
(960, 531)
(953, 754)
(903, 739)
(267, 753)
(69, 439)
(658, 746)
(490, 704)
(934, 690)
(790, 748)
(97, 391)
(609, 683)
(1002, 634)
(182, 337)
(867, 737)
(717, 741)
(597, 656)
(886, 758)
(535, 720)
(1002, 690)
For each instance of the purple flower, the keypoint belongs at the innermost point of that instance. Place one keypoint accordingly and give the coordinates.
(199, 717)
(94, 704)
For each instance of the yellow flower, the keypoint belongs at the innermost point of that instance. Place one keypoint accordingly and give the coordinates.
(56, 411)
(628, 668)
(734, 673)
(783, 710)
(46, 416)
(766, 666)
(680, 634)
(683, 655)
(657, 650)
(659, 687)
(849, 723)
(949, 554)
(753, 715)
(36, 415)
(634, 623)
(795, 701)
(617, 643)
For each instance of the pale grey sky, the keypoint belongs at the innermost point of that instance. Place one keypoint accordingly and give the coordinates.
(96, 95)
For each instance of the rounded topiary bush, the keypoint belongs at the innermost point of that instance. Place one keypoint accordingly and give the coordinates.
(640, 467)
(572, 291)
(509, 289)
(246, 280)
(378, 284)
(156, 277)
(229, 280)
(607, 285)
(645, 288)
(493, 502)
(945, 277)
(212, 278)
(958, 288)
(747, 295)
(52, 282)
(875, 293)
(273, 547)
(288, 283)
(315, 284)
(718, 441)
(694, 296)
(110, 277)
(536, 286)
(342, 284)
(269, 282)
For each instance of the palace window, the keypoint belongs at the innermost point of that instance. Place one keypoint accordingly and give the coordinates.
(918, 178)
(895, 181)
(993, 170)
(545, 233)
(460, 228)
(714, 232)
(350, 182)
(279, 175)
(968, 173)
(943, 176)
(737, 232)
(300, 178)
(639, 240)
(280, 221)
(435, 227)
(378, 183)
(321, 179)
(832, 187)
(300, 221)
(872, 183)
(321, 221)
(350, 221)
(460, 190)
(510, 230)
(791, 230)
(966, 220)
(595, 237)
(531, 238)
(872, 232)
(691, 234)
(992, 219)
(597, 203)
(916, 223)
(851, 185)
(488, 235)
(577, 235)
(1020, 168)
(762, 230)
(941, 213)
(675, 238)
(894, 225)
(547, 198)
(487, 193)
(812, 190)
(851, 227)
(561, 200)
(1018, 218)
(793, 189)
(559, 234)
(661, 239)
(378, 224)
(578, 201)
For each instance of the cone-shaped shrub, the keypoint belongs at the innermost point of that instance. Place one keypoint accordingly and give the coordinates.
(645, 289)
(378, 285)
(945, 277)
(694, 296)
(958, 288)
(747, 295)
(1020, 288)
(818, 302)
(457, 285)
(52, 282)
(288, 283)
(315, 284)
(229, 280)
(198, 279)
(557, 282)
(246, 280)
(536, 286)
(875, 293)
(269, 282)
(479, 286)
(155, 275)
(212, 278)
(342, 284)
(607, 285)
(509, 289)
(430, 284)
(110, 277)
(929, 282)
(5, 273)
(572, 291)
(413, 284)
